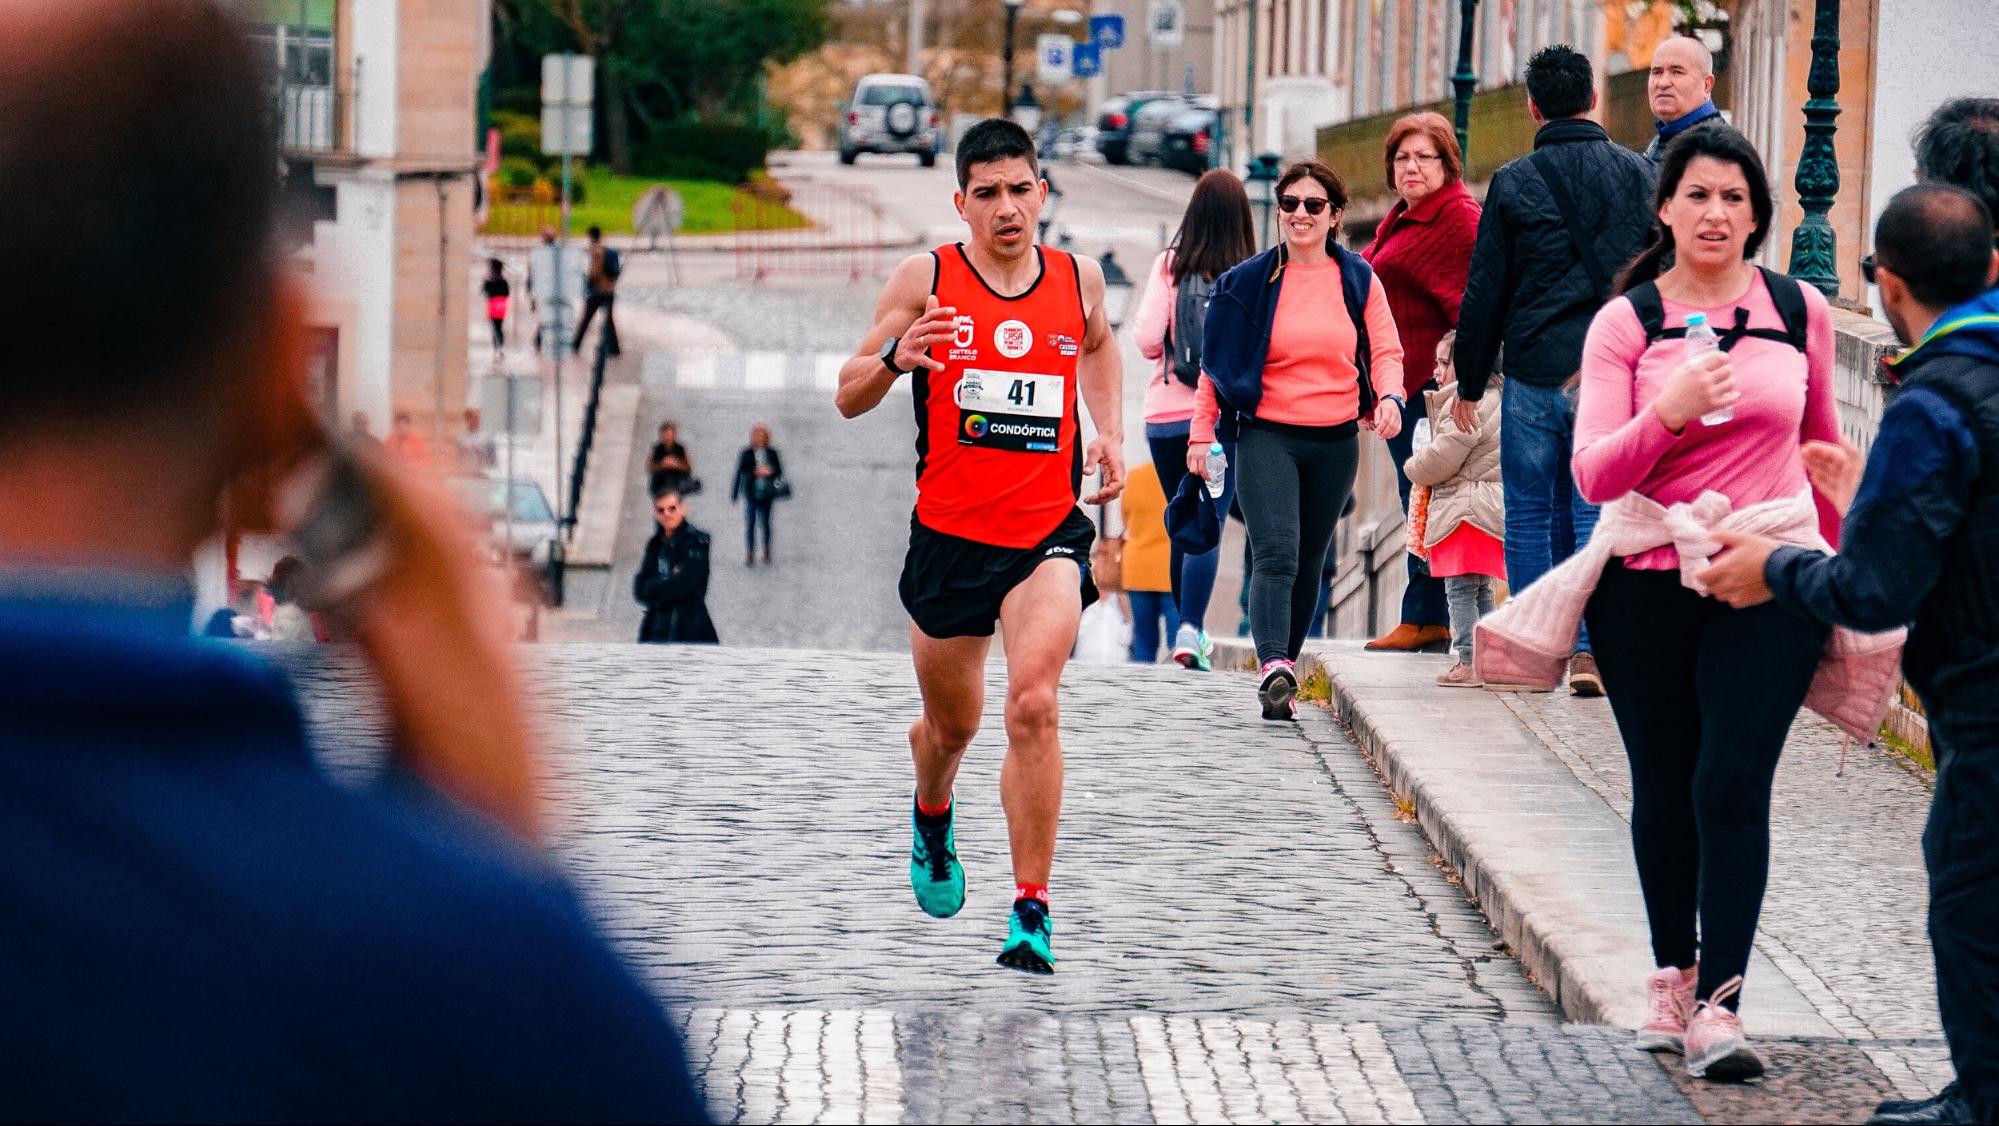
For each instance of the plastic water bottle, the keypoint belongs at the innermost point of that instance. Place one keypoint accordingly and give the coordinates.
(1701, 341)
(1218, 469)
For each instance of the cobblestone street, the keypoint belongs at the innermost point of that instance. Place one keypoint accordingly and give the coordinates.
(1247, 928)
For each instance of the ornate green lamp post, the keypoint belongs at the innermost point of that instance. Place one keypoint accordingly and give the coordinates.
(1464, 81)
(1814, 246)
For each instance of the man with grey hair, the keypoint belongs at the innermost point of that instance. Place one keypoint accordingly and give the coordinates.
(1680, 89)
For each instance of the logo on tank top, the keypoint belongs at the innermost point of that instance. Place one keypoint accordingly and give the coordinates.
(1013, 339)
(975, 426)
(962, 332)
(1062, 343)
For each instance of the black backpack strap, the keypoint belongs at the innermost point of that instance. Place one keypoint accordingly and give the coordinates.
(1356, 280)
(1651, 311)
(1579, 237)
(1789, 297)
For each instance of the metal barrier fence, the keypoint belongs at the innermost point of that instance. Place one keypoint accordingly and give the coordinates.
(844, 240)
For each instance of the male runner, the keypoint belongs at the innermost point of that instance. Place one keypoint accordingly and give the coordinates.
(998, 334)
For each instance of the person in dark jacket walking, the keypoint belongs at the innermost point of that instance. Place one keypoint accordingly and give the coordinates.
(759, 484)
(672, 580)
(1916, 549)
(1557, 224)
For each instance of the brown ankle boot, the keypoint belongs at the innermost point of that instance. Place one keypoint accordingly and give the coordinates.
(1408, 638)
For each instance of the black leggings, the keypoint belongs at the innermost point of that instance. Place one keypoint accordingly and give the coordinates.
(1294, 481)
(1704, 696)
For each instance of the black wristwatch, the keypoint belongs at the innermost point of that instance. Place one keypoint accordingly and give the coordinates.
(888, 356)
(1401, 404)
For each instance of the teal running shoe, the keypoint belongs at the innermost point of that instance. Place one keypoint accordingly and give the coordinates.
(1027, 938)
(1194, 649)
(934, 872)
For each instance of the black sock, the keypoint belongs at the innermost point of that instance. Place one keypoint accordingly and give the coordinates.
(931, 820)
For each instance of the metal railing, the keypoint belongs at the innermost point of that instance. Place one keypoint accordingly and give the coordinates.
(313, 118)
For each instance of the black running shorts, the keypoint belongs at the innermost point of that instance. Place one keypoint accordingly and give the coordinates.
(953, 587)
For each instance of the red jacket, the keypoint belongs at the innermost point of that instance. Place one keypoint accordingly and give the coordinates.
(1422, 255)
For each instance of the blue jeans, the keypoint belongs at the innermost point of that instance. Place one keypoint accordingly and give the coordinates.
(1147, 608)
(1193, 575)
(1423, 602)
(1546, 519)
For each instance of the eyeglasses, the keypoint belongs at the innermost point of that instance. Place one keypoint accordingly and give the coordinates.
(1417, 158)
(1867, 268)
(1314, 205)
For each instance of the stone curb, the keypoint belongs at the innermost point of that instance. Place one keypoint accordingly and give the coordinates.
(1550, 865)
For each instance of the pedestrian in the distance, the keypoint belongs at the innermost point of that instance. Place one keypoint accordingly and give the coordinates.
(289, 621)
(603, 267)
(1912, 549)
(672, 580)
(1703, 693)
(1216, 232)
(668, 465)
(759, 484)
(498, 295)
(1465, 532)
(1299, 352)
(1557, 224)
(1147, 562)
(407, 443)
(1422, 255)
(477, 451)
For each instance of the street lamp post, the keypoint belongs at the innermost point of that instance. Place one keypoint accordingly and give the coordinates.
(1815, 245)
(1006, 55)
(1464, 81)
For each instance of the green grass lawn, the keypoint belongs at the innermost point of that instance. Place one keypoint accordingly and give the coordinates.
(711, 208)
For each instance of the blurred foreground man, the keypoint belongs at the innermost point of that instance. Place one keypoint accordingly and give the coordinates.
(199, 924)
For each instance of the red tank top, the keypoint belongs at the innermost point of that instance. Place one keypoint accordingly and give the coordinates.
(997, 456)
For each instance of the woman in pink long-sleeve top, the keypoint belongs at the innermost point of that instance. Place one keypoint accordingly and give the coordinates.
(1216, 233)
(1704, 694)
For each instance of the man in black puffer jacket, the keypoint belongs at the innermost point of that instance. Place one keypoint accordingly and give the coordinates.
(1533, 291)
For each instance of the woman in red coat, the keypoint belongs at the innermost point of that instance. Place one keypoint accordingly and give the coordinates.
(1422, 254)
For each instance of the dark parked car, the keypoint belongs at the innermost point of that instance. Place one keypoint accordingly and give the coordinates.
(1146, 141)
(1115, 119)
(1190, 141)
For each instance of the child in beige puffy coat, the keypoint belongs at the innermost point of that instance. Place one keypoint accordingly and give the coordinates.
(1466, 528)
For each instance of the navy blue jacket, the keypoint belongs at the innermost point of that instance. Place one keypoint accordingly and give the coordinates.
(201, 925)
(1235, 340)
(1917, 543)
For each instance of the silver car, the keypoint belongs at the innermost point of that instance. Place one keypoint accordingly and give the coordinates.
(891, 113)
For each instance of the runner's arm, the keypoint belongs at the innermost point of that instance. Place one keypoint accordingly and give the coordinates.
(908, 310)
(1101, 373)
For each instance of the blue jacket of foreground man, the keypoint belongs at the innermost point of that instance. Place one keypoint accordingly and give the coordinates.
(202, 925)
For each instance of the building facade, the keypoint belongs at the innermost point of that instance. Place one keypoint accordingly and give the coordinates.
(375, 103)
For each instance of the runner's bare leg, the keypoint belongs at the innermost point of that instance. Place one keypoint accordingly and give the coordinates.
(1038, 623)
(951, 673)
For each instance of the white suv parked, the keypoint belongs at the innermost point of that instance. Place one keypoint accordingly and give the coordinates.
(891, 113)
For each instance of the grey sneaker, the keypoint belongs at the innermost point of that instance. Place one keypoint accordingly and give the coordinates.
(1459, 675)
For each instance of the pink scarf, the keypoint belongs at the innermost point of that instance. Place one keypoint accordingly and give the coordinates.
(1530, 639)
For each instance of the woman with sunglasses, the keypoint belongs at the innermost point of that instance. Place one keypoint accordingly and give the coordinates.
(1300, 351)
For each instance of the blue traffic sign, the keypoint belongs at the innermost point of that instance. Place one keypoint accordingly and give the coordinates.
(1087, 60)
(1107, 32)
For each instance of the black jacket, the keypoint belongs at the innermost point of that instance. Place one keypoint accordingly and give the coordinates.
(1528, 290)
(672, 584)
(746, 474)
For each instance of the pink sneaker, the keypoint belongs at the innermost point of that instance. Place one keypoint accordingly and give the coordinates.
(1670, 993)
(1278, 689)
(1716, 1047)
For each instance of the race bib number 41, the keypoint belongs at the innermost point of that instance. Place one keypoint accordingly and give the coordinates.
(1010, 410)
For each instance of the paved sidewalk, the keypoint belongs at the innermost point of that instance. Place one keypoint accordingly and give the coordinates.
(1841, 950)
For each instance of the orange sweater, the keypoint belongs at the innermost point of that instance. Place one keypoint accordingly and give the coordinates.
(1309, 378)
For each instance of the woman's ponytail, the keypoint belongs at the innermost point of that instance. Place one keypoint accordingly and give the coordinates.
(1649, 263)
